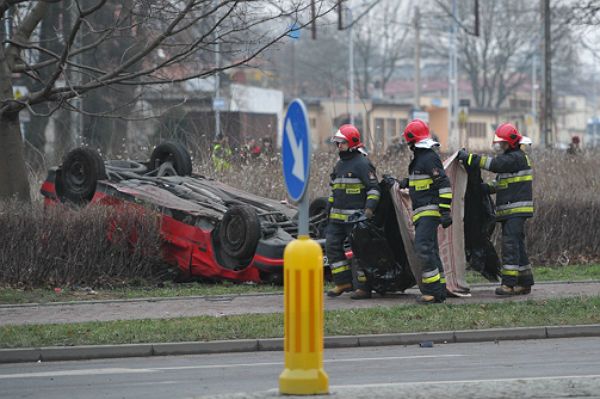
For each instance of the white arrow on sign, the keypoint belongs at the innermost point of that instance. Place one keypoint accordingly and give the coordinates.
(298, 169)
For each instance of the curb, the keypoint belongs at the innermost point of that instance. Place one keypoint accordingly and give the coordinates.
(88, 352)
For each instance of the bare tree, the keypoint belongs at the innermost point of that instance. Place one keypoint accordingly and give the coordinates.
(380, 42)
(115, 45)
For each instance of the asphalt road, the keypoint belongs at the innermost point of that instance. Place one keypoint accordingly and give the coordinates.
(567, 367)
(161, 308)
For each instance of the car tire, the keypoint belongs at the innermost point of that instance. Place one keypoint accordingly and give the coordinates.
(80, 171)
(176, 154)
(317, 206)
(239, 232)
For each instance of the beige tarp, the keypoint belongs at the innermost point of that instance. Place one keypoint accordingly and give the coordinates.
(451, 240)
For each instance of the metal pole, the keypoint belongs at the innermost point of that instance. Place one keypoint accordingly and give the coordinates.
(217, 88)
(548, 112)
(75, 77)
(351, 66)
(533, 89)
(452, 83)
(417, 101)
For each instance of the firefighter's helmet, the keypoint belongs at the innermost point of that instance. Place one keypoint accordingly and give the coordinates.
(416, 131)
(350, 134)
(506, 132)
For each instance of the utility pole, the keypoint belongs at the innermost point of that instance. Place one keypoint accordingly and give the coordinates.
(547, 117)
(534, 88)
(417, 101)
(217, 100)
(76, 122)
(453, 138)
(351, 65)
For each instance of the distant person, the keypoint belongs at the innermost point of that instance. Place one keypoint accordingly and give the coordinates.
(431, 197)
(254, 149)
(514, 204)
(355, 191)
(574, 146)
(395, 148)
(221, 154)
(267, 146)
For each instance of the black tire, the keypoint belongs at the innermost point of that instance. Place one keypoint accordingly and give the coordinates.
(81, 169)
(319, 206)
(239, 232)
(176, 154)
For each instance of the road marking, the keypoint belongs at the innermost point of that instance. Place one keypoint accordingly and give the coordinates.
(349, 360)
(70, 373)
(63, 373)
(516, 379)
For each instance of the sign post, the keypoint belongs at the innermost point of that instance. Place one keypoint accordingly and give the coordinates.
(303, 270)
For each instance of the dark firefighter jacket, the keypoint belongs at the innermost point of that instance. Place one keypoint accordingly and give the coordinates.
(354, 186)
(513, 184)
(428, 185)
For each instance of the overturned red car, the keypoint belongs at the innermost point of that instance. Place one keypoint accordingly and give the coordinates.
(209, 229)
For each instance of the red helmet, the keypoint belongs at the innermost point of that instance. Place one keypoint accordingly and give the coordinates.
(417, 130)
(350, 134)
(507, 133)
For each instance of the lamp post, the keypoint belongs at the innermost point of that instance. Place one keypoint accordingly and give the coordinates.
(350, 65)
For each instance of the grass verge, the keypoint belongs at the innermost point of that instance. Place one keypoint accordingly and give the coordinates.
(399, 319)
(171, 290)
(14, 296)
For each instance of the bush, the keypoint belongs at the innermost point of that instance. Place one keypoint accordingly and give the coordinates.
(59, 246)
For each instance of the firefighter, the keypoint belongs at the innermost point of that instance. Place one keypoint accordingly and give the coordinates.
(514, 204)
(221, 154)
(431, 197)
(355, 192)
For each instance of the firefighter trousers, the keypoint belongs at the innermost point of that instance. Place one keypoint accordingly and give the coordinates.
(341, 268)
(433, 280)
(516, 269)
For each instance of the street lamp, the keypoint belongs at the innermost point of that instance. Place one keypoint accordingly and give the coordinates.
(350, 65)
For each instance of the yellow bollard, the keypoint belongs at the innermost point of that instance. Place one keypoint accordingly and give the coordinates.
(303, 325)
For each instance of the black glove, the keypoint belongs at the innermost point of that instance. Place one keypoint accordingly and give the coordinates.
(388, 180)
(463, 155)
(403, 183)
(446, 220)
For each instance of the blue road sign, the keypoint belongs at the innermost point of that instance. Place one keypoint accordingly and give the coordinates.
(295, 150)
(294, 31)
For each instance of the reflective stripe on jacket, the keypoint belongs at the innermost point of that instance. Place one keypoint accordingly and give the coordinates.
(354, 186)
(514, 182)
(428, 185)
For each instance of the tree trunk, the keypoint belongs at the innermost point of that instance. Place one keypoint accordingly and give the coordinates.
(13, 174)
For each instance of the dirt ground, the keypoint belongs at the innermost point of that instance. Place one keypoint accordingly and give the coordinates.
(164, 308)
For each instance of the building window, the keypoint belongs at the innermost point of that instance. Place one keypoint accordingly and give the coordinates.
(379, 126)
(476, 129)
(390, 130)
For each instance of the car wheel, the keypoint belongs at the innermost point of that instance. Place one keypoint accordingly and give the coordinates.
(81, 169)
(239, 231)
(317, 208)
(174, 153)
